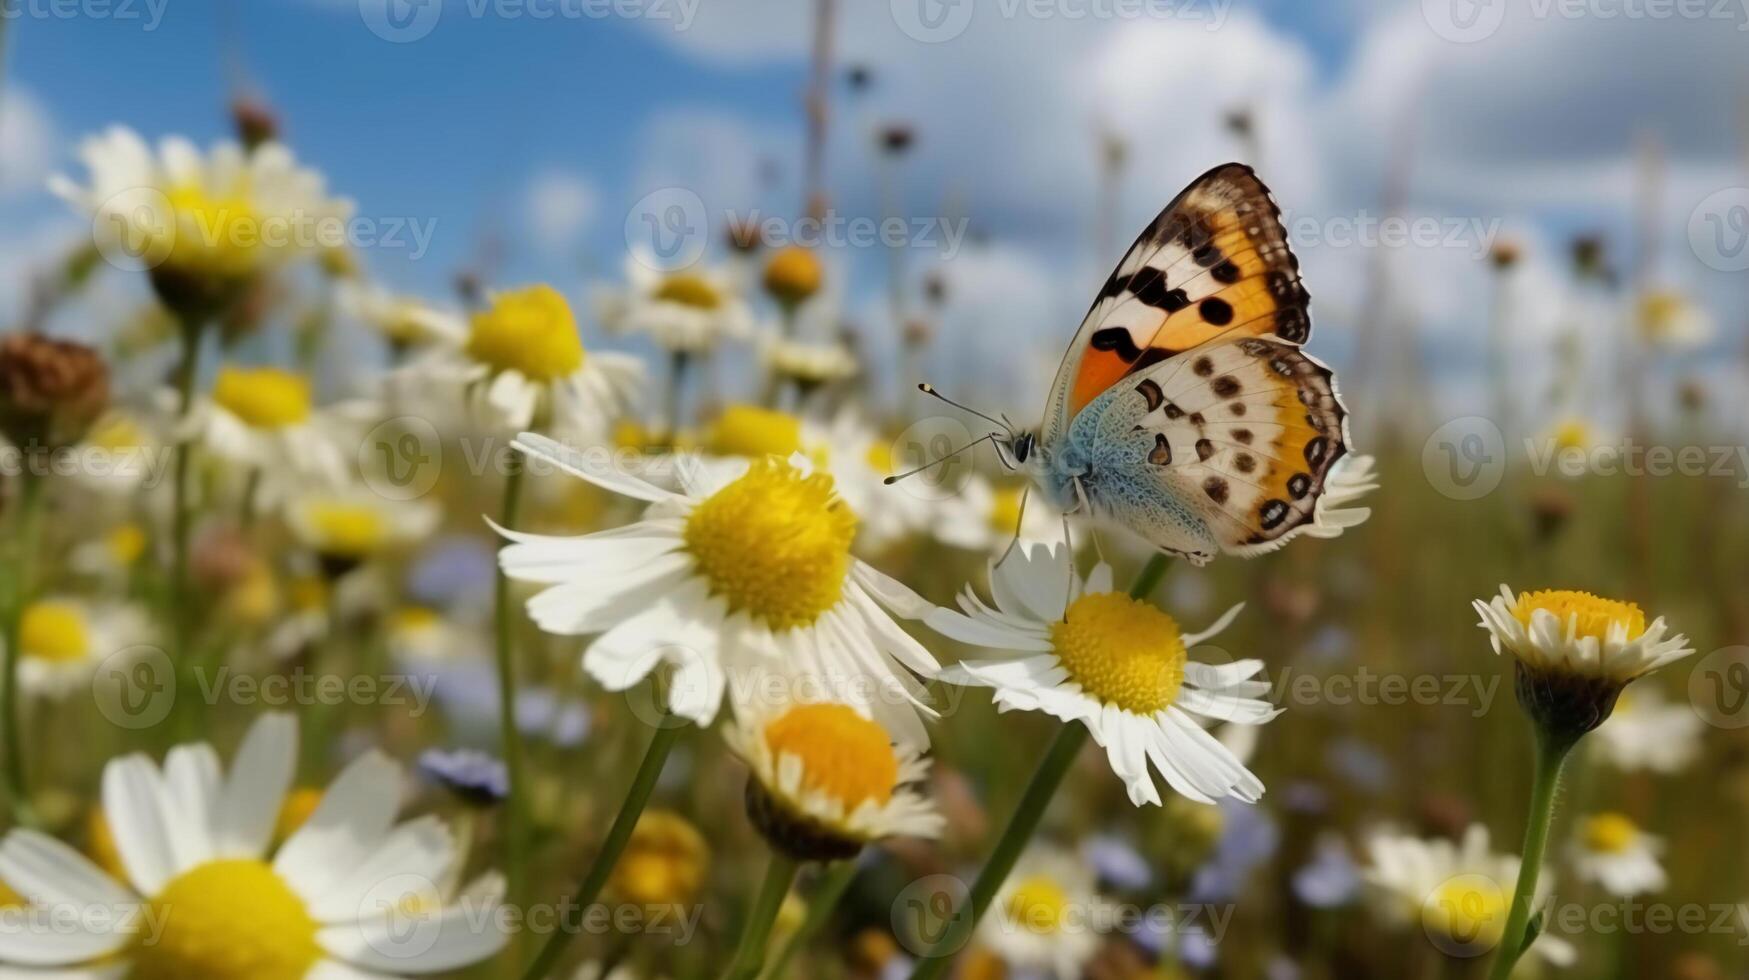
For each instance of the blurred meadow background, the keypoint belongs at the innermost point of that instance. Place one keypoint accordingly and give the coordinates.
(1524, 229)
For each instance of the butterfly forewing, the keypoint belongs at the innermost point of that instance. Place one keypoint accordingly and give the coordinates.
(1215, 264)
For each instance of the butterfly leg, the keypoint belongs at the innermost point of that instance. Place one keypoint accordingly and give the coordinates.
(1019, 522)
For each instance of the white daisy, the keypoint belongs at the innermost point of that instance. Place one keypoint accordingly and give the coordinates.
(808, 363)
(349, 894)
(111, 557)
(1610, 850)
(353, 524)
(1351, 478)
(1579, 634)
(123, 455)
(225, 215)
(830, 780)
(404, 321)
(1648, 732)
(1116, 664)
(685, 311)
(1459, 893)
(742, 570)
(1041, 918)
(520, 364)
(422, 635)
(263, 420)
(63, 640)
(1669, 318)
(984, 516)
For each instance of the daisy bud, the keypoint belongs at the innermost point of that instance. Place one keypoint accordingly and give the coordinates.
(51, 391)
(792, 276)
(1575, 652)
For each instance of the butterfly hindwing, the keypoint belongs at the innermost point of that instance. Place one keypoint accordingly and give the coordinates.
(1244, 431)
(1214, 264)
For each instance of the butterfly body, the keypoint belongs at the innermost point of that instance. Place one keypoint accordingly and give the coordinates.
(1185, 410)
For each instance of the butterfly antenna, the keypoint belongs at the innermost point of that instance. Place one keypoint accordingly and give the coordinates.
(929, 389)
(889, 481)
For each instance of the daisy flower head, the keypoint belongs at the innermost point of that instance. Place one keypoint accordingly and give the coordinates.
(665, 862)
(1459, 893)
(1669, 318)
(1575, 652)
(792, 276)
(1612, 851)
(123, 447)
(807, 364)
(1648, 732)
(404, 321)
(265, 420)
(1116, 664)
(1040, 919)
(986, 517)
(201, 223)
(685, 311)
(520, 364)
(353, 525)
(827, 780)
(62, 640)
(206, 894)
(748, 567)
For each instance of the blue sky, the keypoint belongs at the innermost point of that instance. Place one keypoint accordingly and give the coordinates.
(541, 133)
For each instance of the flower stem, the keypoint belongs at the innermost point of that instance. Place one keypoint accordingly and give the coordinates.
(750, 954)
(26, 539)
(516, 808)
(831, 890)
(1025, 820)
(668, 731)
(180, 516)
(1551, 755)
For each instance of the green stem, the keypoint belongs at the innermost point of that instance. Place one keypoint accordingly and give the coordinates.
(831, 890)
(1550, 757)
(1021, 826)
(181, 516)
(668, 731)
(750, 954)
(27, 541)
(516, 809)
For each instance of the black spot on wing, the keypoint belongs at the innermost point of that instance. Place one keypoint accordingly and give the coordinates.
(1151, 393)
(1161, 454)
(1216, 311)
(1116, 340)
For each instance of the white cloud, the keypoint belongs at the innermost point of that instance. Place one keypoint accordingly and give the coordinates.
(558, 206)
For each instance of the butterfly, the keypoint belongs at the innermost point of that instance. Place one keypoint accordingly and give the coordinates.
(1185, 409)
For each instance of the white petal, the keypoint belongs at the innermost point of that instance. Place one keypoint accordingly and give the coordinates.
(418, 943)
(351, 821)
(131, 803)
(579, 465)
(414, 858)
(48, 872)
(249, 805)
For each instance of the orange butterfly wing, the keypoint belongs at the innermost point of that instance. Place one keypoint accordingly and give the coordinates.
(1215, 264)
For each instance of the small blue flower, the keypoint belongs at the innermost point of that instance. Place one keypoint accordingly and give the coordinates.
(1117, 862)
(474, 776)
(453, 569)
(1330, 880)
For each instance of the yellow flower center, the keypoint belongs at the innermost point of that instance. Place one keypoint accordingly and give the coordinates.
(880, 457)
(1572, 434)
(10, 899)
(1037, 904)
(1005, 510)
(126, 543)
(115, 433)
(844, 755)
(1469, 909)
(347, 530)
(414, 619)
(54, 631)
(219, 235)
(748, 430)
(689, 290)
(227, 920)
(530, 331)
(265, 398)
(665, 862)
(100, 843)
(774, 544)
(1595, 616)
(307, 593)
(1121, 651)
(1608, 833)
